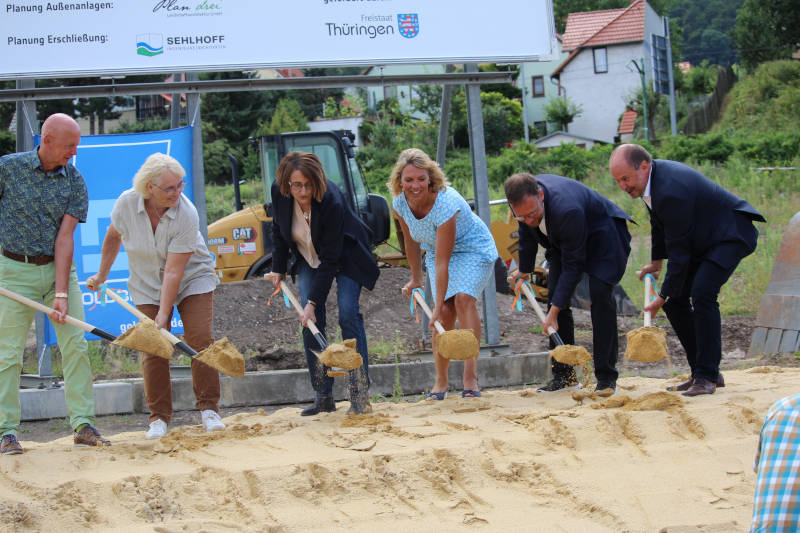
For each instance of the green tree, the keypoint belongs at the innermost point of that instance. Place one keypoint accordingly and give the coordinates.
(7, 109)
(153, 124)
(235, 115)
(766, 30)
(288, 116)
(561, 111)
(706, 26)
(428, 102)
(502, 120)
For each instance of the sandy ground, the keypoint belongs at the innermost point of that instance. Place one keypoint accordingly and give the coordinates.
(642, 460)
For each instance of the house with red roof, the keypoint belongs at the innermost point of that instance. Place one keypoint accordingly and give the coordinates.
(599, 74)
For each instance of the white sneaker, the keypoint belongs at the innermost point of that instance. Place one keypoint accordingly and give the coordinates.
(158, 428)
(211, 420)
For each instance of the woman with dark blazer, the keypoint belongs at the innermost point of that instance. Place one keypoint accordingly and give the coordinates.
(312, 219)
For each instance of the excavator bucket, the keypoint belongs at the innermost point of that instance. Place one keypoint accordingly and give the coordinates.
(778, 321)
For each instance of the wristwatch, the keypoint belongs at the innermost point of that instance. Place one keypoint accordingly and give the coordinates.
(661, 295)
(62, 295)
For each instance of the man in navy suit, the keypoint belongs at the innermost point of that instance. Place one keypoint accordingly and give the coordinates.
(581, 232)
(704, 232)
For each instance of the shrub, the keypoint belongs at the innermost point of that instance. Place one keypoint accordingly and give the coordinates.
(8, 143)
(568, 160)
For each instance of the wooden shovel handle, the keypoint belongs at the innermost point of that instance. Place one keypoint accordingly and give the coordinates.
(648, 288)
(141, 316)
(309, 324)
(48, 310)
(424, 305)
(536, 307)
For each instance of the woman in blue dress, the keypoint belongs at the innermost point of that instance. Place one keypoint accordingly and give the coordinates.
(459, 253)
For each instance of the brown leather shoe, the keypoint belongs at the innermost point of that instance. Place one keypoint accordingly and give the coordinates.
(700, 386)
(683, 385)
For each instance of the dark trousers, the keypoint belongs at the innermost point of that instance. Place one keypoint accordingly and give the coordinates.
(196, 314)
(694, 315)
(605, 339)
(351, 323)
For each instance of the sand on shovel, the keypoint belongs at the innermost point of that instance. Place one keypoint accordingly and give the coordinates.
(646, 344)
(342, 355)
(458, 344)
(223, 356)
(573, 355)
(145, 337)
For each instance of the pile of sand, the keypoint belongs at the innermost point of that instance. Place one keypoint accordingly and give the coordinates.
(642, 460)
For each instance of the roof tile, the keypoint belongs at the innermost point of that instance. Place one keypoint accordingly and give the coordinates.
(597, 28)
(627, 123)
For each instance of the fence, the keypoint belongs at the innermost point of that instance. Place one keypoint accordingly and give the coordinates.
(701, 119)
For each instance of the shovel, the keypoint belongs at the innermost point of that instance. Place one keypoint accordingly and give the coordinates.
(221, 355)
(339, 357)
(563, 353)
(70, 320)
(456, 344)
(648, 343)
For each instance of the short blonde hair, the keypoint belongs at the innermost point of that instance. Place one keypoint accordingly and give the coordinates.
(309, 166)
(154, 166)
(421, 160)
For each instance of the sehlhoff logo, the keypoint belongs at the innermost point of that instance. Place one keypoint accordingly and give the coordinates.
(408, 24)
(149, 44)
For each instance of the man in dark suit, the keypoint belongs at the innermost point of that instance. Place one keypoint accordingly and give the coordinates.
(581, 232)
(704, 232)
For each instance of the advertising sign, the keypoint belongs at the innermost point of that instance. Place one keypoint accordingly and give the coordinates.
(55, 39)
(108, 164)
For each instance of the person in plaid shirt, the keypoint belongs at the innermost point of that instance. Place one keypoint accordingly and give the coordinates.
(776, 503)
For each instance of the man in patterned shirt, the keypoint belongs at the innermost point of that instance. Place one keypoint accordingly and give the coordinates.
(776, 503)
(42, 199)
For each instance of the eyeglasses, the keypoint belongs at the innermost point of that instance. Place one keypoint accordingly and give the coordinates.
(523, 218)
(170, 190)
(297, 186)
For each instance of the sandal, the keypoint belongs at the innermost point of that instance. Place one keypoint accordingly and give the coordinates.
(438, 396)
(469, 393)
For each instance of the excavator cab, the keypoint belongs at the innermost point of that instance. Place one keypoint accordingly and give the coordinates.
(242, 241)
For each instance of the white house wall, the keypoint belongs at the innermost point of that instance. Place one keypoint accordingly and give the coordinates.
(535, 105)
(602, 96)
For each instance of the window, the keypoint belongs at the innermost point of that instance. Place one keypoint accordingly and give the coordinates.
(537, 82)
(600, 60)
(539, 129)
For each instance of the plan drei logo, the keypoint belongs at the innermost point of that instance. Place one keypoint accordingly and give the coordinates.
(149, 44)
(408, 24)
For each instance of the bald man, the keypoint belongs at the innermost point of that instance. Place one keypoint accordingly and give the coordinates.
(703, 231)
(42, 199)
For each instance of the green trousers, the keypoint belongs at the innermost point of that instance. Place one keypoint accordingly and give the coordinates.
(37, 282)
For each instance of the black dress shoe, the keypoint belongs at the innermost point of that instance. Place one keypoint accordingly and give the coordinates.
(683, 385)
(321, 405)
(700, 386)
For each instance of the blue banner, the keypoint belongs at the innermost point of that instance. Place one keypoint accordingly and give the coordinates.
(108, 164)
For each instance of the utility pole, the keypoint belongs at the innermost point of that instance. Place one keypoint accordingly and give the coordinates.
(641, 70)
(672, 119)
(524, 101)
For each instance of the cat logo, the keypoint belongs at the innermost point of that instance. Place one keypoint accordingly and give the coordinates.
(244, 234)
